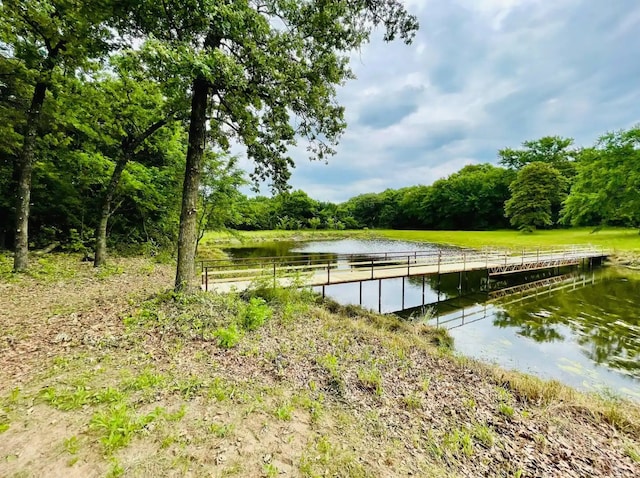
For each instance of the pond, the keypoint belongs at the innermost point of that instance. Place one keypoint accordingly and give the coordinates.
(581, 327)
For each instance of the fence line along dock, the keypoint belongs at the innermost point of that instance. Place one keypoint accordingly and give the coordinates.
(328, 269)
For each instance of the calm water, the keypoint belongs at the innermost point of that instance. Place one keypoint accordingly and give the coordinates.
(579, 327)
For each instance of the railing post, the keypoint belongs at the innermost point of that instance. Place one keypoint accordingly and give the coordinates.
(522, 256)
(274, 273)
(328, 272)
(464, 261)
(372, 268)
(408, 265)
(439, 259)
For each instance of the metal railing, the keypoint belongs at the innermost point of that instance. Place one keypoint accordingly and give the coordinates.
(326, 269)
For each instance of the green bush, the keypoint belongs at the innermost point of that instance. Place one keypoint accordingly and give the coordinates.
(228, 337)
(255, 314)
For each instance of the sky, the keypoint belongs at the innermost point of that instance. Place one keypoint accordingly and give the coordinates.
(481, 75)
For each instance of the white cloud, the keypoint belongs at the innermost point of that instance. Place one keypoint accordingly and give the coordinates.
(485, 74)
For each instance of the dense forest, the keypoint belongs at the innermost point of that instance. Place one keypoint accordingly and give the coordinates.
(544, 184)
(112, 111)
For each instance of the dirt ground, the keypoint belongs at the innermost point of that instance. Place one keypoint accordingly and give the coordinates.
(100, 376)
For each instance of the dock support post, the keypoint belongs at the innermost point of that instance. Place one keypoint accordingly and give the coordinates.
(206, 279)
(360, 292)
(274, 273)
(423, 290)
(323, 292)
(403, 293)
(379, 296)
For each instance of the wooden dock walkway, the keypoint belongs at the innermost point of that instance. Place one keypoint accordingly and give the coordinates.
(310, 271)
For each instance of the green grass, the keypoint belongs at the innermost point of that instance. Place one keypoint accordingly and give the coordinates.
(618, 239)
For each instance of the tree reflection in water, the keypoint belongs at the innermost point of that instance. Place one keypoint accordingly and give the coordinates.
(604, 318)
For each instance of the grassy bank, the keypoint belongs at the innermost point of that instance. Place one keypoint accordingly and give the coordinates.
(212, 242)
(618, 239)
(104, 373)
(623, 242)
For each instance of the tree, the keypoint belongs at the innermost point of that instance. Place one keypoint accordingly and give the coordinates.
(219, 192)
(47, 37)
(261, 73)
(536, 187)
(553, 150)
(132, 110)
(607, 187)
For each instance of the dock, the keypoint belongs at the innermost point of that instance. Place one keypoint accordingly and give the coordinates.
(329, 269)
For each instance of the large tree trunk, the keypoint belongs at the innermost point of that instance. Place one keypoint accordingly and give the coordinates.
(24, 165)
(187, 238)
(105, 212)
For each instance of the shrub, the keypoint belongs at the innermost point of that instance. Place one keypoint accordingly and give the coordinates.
(256, 314)
(228, 337)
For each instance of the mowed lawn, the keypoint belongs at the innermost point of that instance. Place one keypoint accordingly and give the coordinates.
(616, 239)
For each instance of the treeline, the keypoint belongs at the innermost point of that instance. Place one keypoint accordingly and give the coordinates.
(544, 184)
(472, 198)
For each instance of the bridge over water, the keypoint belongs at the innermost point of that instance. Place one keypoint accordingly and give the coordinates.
(324, 270)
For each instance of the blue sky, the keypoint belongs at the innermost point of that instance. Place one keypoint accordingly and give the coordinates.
(481, 75)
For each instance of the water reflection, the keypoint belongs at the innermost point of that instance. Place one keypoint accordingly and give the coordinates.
(582, 328)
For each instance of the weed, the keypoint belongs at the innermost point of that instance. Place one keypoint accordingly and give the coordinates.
(532, 389)
(632, 452)
(116, 470)
(504, 395)
(440, 337)
(432, 446)
(118, 425)
(221, 431)
(322, 458)
(541, 440)
(71, 445)
(232, 469)
(220, 390)
(314, 407)
(283, 412)
(458, 442)
(108, 395)
(614, 415)
(228, 337)
(483, 434)
(67, 400)
(371, 379)
(412, 401)
(469, 403)
(188, 387)
(269, 470)
(330, 363)
(506, 410)
(107, 270)
(147, 379)
(255, 314)
(425, 384)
